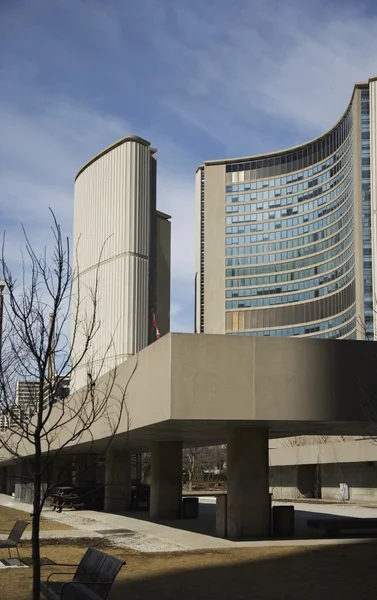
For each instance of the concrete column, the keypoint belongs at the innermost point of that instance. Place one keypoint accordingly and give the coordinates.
(19, 481)
(10, 480)
(166, 480)
(221, 516)
(117, 480)
(61, 473)
(23, 488)
(3, 480)
(27, 484)
(85, 469)
(248, 510)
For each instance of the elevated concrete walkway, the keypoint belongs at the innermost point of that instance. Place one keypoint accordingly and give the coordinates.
(197, 390)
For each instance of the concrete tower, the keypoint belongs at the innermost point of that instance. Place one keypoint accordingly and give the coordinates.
(121, 249)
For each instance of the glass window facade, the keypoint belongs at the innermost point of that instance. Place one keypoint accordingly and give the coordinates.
(289, 241)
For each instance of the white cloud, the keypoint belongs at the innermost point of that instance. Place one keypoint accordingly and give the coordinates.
(293, 62)
(312, 84)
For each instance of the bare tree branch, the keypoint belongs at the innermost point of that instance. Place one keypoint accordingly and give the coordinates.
(35, 349)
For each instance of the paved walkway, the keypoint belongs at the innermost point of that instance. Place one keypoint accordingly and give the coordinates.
(135, 530)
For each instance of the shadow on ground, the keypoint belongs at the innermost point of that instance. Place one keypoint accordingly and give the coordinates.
(346, 572)
(205, 524)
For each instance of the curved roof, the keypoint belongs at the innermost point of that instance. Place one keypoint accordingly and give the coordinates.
(275, 153)
(128, 138)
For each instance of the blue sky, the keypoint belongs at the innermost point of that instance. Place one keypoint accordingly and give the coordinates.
(200, 79)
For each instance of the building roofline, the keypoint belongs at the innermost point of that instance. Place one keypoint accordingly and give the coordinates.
(163, 215)
(123, 140)
(226, 161)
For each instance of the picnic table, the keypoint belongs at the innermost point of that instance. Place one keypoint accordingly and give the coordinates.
(67, 497)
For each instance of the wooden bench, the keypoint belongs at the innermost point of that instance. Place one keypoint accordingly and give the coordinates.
(92, 581)
(335, 525)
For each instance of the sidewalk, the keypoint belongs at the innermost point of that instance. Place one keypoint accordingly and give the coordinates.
(92, 524)
(136, 531)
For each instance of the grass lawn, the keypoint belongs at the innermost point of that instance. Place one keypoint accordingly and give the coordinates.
(9, 515)
(327, 572)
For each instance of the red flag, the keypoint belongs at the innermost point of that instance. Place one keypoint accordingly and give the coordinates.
(158, 335)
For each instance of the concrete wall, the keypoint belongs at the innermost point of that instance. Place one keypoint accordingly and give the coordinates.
(283, 483)
(214, 255)
(344, 449)
(361, 479)
(282, 379)
(298, 481)
(195, 388)
(198, 247)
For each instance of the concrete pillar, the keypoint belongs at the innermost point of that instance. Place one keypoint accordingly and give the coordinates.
(23, 487)
(3, 481)
(19, 481)
(166, 480)
(117, 480)
(248, 506)
(27, 484)
(10, 481)
(221, 516)
(85, 469)
(61, 473)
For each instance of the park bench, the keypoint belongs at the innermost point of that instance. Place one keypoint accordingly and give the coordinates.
(334, 526)
(92, 581)
(14, 537)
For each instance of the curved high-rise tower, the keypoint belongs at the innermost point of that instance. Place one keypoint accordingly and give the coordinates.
(122, 249)
(286, 240)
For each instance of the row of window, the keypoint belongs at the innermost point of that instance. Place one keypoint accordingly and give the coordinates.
(327, 269)
(290, 273)
(300, 297)
(249, 191)
(242, 292)
(260, 258)
(249, 207)
(295, 264)
(304, 157)
(285, 315)
(321, 326)
(288, 212)
(339, 333)
(275, 199)
(329, 335)
(290, 233)
(309, 330)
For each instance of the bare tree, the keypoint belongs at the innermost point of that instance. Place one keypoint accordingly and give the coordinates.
(38, 309)
(197, 461)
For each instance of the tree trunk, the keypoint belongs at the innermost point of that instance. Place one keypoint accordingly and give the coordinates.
(36, 557)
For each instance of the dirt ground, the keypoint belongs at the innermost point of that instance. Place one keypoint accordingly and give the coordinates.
(9, 515)
(327, 572)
